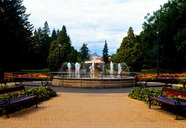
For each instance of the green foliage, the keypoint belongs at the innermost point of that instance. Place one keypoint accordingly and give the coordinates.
(41, 41)
(84, 52)
(43, 70)
(65, 53)
(181, 80)
(105, 53)
(42, 92)
(164, 31)
(130, 52)
(15, 33)
(54, 34)
(143, 93)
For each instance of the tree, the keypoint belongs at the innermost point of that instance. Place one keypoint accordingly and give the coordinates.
(45, 44)
(54, 35)
(59, 55)
(163, 37)
(41, 41)
(105, 53)
(85, 52)
(130, 52)
(46, 29)
(15, 33)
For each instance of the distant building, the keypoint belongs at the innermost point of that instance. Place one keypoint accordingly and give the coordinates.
(96, 57)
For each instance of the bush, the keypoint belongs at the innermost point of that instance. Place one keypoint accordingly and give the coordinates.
(43, 93)
(143, 93)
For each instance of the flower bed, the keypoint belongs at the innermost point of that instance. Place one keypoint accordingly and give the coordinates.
(8, 76)
(172, 95)
(179, 77)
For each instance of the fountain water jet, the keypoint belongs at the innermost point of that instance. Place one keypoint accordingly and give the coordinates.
(77, 68)
(111, 69)
(119, 70)
(69, 69)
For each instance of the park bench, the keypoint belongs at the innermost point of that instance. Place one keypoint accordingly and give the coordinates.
(158, 82)
(19, 80)
(176, 103)
(7, 103)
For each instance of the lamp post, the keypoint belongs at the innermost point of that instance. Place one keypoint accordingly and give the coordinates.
(59, 46)
(158, 41)
(158, 72)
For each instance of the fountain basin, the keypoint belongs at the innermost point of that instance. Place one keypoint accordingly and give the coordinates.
(94, 82)
(93, 73)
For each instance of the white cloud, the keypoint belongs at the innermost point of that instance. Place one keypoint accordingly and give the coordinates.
(91, 21)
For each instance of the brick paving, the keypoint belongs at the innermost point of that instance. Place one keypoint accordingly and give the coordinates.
(92, 108)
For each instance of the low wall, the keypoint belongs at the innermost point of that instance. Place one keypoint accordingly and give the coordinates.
(94, 83)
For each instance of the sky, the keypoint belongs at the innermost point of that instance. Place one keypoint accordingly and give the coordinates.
(92, 21)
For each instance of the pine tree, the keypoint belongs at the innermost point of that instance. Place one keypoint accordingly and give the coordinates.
(105, 53)
(46, 29)
(84, 51)
(15, 35)
(46, 40)
(54, 35)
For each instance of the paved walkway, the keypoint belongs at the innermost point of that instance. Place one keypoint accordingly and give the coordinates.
(92, 108)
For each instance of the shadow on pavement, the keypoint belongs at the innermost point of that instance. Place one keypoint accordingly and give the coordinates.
(92, 90)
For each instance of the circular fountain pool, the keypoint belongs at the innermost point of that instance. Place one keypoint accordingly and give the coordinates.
(93, 74)
(84, 82)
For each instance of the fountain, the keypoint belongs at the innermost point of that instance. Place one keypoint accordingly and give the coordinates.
(111, 69)
(93, 74)
(77, 69)
(119, 70)
(69, 69)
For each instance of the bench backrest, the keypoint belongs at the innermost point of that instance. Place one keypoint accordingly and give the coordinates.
(170, 80)
(12, 89)
(175, 91)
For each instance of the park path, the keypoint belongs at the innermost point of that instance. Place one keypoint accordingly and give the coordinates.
(94, 109)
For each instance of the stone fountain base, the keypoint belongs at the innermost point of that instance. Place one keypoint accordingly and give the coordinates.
(94, 82)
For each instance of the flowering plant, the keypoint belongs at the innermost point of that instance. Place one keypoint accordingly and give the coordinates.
(175, 96)
(9, 76)
(180, 77)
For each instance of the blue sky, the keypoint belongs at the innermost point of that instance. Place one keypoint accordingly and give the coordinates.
(92, 21)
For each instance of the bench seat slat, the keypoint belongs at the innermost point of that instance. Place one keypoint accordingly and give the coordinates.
(20, 99)
(167, 101)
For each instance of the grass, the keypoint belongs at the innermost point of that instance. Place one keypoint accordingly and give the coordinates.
(148, 71)
(44, 70)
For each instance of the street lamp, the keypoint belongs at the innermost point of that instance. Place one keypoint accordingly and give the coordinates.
(158, 72)
(59, 46)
